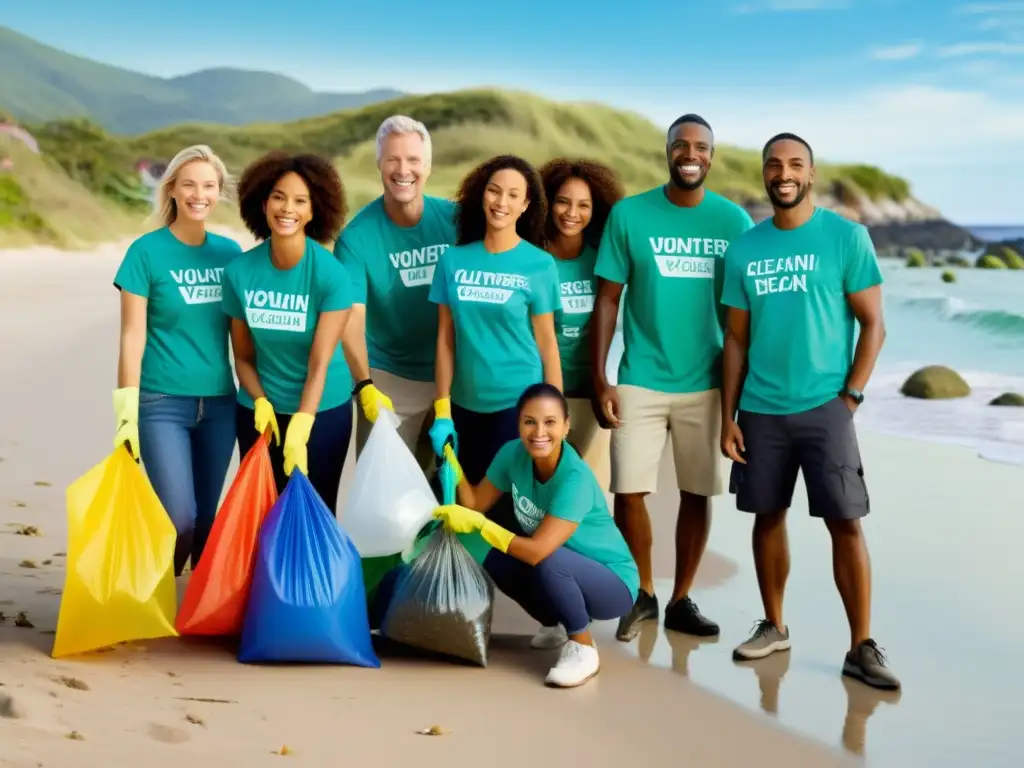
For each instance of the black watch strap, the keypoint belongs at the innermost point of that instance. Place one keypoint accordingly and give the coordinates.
(361, 385)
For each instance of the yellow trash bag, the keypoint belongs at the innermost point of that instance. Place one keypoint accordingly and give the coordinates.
(119, 584)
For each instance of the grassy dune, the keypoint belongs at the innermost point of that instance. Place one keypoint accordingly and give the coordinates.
(466, 126)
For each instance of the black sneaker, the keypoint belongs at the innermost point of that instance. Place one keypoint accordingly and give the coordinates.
(645, 608)
(684, 616)
(867, 664)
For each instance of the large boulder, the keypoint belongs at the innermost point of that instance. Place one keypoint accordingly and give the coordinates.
(1009, 398)
(935, 382)
(990, 261)
(916, 258)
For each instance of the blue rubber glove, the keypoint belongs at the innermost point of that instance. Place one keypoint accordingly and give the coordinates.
(443, 428)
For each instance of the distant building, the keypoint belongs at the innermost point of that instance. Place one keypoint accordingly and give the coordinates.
(17, 132)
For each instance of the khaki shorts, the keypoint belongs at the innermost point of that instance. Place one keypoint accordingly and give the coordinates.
(590, 441)
(414, 406)
(647, 419)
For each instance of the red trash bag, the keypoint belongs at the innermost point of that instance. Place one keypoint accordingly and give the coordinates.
(217, 594)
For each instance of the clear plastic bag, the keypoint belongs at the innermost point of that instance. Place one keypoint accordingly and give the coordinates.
(443, 602)
(391, 499)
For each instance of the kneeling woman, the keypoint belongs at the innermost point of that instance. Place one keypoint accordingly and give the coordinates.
(289, 299)
(567, 564)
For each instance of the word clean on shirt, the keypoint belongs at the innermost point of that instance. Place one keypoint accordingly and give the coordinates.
(528, 514)
(276, 311)
(198, 286)
(784, 275)
(416, 266)
(488, 287)
(688, 257)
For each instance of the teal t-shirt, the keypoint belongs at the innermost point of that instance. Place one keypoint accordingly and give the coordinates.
(391, 269)
(573, 494)
(187, 335)
(578, 291)
(493, 298)
(281, 308)
(670, 260)
(794, 283)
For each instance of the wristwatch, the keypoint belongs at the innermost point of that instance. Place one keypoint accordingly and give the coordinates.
(854, 394)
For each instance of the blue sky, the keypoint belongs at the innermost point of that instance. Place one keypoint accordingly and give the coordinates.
(930, 89)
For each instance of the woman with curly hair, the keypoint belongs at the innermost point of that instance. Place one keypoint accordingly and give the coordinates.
(580, 196)
(497, 295)
(175, 395)
(289, 300)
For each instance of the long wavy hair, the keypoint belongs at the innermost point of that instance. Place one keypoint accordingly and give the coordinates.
(470, 222)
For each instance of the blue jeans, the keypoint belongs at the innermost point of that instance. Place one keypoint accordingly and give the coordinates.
(564, 588)
(186, 445)
(326, 450)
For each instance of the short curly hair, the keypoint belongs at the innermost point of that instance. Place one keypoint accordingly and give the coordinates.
(470, 222)
(326, 193)
(605, 189)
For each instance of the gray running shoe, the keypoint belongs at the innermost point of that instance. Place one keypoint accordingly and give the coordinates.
(867, 664)
(765, 640)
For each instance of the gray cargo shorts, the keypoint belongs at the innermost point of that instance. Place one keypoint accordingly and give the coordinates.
(822, 442)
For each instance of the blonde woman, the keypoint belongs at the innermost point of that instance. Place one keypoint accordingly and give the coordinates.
(175, 401)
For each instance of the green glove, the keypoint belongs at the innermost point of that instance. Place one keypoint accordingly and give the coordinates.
(126, 412)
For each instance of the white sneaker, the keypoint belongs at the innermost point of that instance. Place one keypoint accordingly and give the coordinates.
(549, 638)
(577, 664)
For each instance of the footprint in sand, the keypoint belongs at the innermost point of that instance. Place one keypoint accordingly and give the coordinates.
(167, 734)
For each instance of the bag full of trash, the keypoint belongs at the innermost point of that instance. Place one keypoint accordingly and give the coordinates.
(443, 601)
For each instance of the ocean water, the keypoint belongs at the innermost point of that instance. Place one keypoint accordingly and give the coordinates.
(976, 327)
(995, 233)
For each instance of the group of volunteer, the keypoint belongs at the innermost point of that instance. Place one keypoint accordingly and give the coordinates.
(483, 324)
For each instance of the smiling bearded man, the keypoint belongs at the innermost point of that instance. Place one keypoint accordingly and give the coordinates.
(667, 245)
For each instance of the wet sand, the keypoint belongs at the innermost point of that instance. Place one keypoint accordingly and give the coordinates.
(940, 536)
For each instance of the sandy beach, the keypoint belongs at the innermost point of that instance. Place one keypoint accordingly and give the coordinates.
(943, 537)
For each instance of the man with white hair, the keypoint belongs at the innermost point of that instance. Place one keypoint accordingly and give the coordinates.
(390, 249)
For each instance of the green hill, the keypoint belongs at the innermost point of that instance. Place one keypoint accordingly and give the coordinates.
(466, 126)
(38, 82)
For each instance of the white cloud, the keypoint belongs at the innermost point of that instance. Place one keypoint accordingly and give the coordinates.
(897, 52)
(975, 9)
(991, 47)
(793, 5)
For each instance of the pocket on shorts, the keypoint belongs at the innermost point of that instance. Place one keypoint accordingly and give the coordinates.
(145, 396)
(849, 490)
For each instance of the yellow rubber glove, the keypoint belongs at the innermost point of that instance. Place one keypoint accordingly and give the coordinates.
(372, 400)
(453, 463)
(126, 412)
(295, 440)
(265, 417)
(461, 519)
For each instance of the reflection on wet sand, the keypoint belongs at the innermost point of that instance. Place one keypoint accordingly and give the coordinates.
(943, 538)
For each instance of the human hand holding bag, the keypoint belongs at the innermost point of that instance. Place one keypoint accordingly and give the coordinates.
(295, 439)
(126, 411)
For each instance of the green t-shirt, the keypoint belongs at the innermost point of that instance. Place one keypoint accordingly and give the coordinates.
(794, 283)
(493, 298)
(670, 260)
(391, 269)
(578, 291)
(281, 308)
(573, 494)
(187, 347)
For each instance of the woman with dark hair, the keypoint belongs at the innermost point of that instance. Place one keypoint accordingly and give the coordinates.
(289, 299)
(580, 196)
(564, 560)
(497, 295)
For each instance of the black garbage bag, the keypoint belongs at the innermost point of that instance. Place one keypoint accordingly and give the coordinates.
(443, 602)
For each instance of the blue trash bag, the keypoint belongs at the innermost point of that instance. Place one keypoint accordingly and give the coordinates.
(307, 602)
